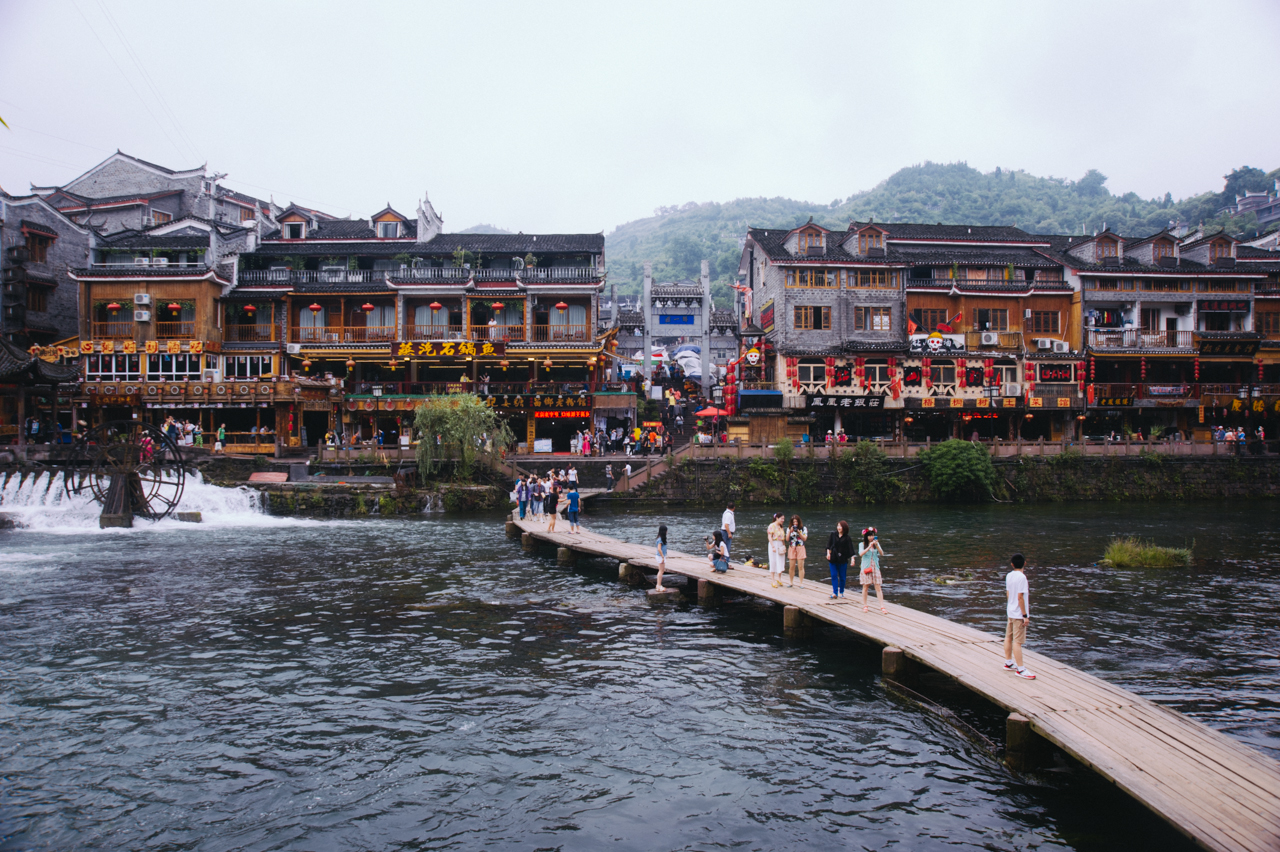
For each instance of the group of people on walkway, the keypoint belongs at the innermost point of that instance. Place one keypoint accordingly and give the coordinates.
(539, 497)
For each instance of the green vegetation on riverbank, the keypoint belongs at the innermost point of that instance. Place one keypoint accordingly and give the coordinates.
(1133, 552)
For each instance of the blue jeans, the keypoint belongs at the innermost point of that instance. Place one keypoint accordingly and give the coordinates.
(523, 505)
(726, 545)
(838, 573)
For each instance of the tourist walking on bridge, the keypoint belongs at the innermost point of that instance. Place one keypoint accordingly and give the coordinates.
(522, 495)
(1018, 616)
(537, 495)
(797, 535)
(552, 504)
(839, 552)
(777, 550)
(870, 552)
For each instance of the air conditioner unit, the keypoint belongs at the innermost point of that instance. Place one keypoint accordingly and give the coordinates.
(293, 348)
(1061, 346)
(159, 261)
(990, 338)
(142, 316)
(1012, 389)
(142, 298)
(1044, 343)
(142, 261)
(212, 376)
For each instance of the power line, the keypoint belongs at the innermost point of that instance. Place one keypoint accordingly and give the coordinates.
(146, 77)
(136, 93)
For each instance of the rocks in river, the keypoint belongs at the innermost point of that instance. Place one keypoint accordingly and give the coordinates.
(965, 576)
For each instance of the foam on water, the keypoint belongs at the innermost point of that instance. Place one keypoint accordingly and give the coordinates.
(39, 502)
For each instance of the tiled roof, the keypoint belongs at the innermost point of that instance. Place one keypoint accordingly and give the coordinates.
(186, 238)
(667, 291)
(443, 245)
(772, 242)
(983, 233)
(38, 227)
(139, 197)
(17, 365)
(1244, 252)
(378, 286)
(522, 244)
(1208, 238)
(993, 256)
(1131, 266)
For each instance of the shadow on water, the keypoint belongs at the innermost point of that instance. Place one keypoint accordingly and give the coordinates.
(425, 685)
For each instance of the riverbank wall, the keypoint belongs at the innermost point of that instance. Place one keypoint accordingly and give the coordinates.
(1020, 479)
(357, 501)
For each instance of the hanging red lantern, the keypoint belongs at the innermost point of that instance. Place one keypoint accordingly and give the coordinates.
(562, 306)
(1196, 363)
(249, 309)
(366, 307)
(351, 364)
(174, 306)
(315, 307)
(1031, 387)
(497, 306)
(306, 363)
(1093, 368)
(1142, 366)
(1259, 371)
(830, 362)
(435, 306)
(893, 362)
(962, 376)
(113, 307)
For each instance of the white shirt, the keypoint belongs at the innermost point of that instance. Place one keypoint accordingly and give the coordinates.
(726, 522)
(628, 468)
(1015, 582)
(573, 475)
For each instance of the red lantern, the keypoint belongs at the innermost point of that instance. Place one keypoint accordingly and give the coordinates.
(961, 373)
(1031, 387)
(315, 307)
(113, 307)
(830, 362)
(562, 306)
(435, 306)
(1142, 366)
(249, 309)
(497, 306)
(366, 307)
(306, 363)
(893, 362)
(174, 306)
(1259, 371)
(1093, 368)
(1197, 366)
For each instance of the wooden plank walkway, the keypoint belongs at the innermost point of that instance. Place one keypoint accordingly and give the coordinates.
(1218, 791)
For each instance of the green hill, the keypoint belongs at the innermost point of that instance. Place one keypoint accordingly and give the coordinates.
(677, 239)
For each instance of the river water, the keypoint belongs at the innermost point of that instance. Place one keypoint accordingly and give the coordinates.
(258, 683)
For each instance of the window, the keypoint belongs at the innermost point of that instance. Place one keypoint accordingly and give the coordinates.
(870, 278)
(1160, 249)
(812, 317)
(111, 368)
(990, 319)
(870, 241)
(246, 366)
(294, 231)
(1219, 248)
(811, 373)
(1159, 286)
(871, 319)
(1268, 322)
(174, 367)
(37, 298)
(246, 214)
(1106, 248)
(810, 240)
(1150, 319)
(943, 373)
(1219, 287)
(810, 278)
(877, 372)
(159, 217)
(38, 246)
(929, 318)
(1043, 322)
(388, 230)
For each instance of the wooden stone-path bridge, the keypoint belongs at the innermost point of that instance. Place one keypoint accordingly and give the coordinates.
(1216, 790)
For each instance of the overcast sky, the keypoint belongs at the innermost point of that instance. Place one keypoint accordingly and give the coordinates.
(577, 117)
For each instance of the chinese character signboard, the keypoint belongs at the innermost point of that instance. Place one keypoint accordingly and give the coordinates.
(1113, 401)
(1244, 348)
(675, 319)
(1056, 373)
(766, 316)
(1235, 306)
(448, 349)
(815, 402)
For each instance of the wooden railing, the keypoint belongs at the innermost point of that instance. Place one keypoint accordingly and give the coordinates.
(434, 332)
(343, 334)
(180, 330)
(114, 330)
(258, 333)
(313, 276)
(1132, 338)
(561, 334)
(497, 332)
(1009, 340)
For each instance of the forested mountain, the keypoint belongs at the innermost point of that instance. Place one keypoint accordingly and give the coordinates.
(677, 239)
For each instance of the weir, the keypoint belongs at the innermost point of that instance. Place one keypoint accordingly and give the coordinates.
(1217, 791)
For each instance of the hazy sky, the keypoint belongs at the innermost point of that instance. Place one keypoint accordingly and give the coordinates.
(577, 117)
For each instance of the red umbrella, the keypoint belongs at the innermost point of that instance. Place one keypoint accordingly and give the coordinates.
(711, 411)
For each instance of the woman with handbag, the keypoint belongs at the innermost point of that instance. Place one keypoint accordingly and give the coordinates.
(718, 553)
(839, 552)
(870, 552)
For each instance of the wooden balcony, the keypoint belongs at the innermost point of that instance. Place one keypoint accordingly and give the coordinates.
(498, 333)
(1006, 341)
(175, 330)
(561, 334)
(1132, 338)
(434, 332)
(114, 330)
(257, 333)
(335, 335)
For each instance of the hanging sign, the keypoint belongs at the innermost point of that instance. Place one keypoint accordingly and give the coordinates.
(1229, 347)
(815, 401)
(445, 349)
(675, 319)
(766, 316)
(1055, 372)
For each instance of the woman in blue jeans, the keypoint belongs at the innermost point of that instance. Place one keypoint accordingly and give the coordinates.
(839, 552)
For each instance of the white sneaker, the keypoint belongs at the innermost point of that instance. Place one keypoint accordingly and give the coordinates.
(1024, 672)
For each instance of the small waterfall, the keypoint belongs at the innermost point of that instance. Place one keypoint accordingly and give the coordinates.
(39, 502)
(433, 503)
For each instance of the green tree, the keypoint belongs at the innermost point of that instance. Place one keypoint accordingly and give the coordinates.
(959, 470)
(462, 424)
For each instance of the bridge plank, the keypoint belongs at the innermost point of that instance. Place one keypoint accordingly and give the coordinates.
(1214, 788)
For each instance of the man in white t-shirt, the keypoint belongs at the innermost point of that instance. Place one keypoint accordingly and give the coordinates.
(728, 525)
(1018, 616)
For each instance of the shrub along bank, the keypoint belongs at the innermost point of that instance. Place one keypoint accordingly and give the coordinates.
(958, 471)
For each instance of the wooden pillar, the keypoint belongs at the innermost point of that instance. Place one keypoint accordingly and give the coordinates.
(796, 623)
(566, 556)
(528, 543)
(513, 530)
(708, 593)
(895, 665)
(1024, 748)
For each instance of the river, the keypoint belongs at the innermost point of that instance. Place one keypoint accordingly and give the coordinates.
(264, 683)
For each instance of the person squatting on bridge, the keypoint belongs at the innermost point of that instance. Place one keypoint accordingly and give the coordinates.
(839, 552)
(870, 551)
(1018, 616)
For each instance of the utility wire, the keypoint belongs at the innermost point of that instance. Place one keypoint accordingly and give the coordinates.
(126, 77)
(146, 77)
